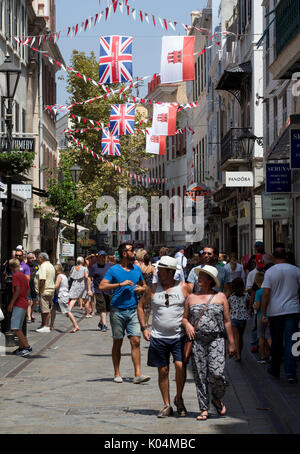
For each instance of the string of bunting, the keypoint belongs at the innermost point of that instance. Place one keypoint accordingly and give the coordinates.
(129, 174)
(86, 24)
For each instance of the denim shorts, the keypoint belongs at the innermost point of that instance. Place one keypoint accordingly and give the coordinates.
(17, 318)
(160, 350)
(124, 320)
(238, 323)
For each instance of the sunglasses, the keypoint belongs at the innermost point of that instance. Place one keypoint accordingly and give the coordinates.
(19, 255)
(208, 253)
(130, 250)
(167, 302)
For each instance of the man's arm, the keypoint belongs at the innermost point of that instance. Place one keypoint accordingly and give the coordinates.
(106, 285)
(265, 301)
(146, 299)
(42, 283)
(14, 298)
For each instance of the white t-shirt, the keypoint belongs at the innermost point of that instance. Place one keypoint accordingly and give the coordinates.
(250, 278)
(238, 272)
(284, 281)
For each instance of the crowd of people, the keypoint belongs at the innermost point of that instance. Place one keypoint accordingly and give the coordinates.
(200, 307)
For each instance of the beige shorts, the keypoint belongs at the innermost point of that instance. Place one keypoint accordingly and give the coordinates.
(46, 303)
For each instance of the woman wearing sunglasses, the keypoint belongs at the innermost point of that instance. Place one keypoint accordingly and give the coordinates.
(208, 310)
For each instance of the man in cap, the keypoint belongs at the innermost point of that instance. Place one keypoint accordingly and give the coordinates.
(167, 335)
(96, 274)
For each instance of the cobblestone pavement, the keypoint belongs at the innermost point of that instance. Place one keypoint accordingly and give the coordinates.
(66, 387)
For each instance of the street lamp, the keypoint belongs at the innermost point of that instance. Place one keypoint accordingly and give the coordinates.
(75, 173)
(247, 141)
(9, 78)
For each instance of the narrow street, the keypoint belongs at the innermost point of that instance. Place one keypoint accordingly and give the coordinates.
(66, 387)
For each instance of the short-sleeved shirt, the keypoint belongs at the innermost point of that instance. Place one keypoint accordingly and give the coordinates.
(283, 280)
(223, 278)
(20, 280)
(124, 297)
(258, 299)
(97, 272)
(24, 268)
(46, 273)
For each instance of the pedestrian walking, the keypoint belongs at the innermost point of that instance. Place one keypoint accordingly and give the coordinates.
(79, 287)
(167, 334)
(181, 259)
(96, 274)
(263, 329)
(18, 306)
(179, 274)
(126, 281)
(210, 310)
(239, 301)
(234, 269)
(281, 287)
(62, 290)
(44, 285)
(24, 268)
(33, 296)
(148, 271)
(259, 249)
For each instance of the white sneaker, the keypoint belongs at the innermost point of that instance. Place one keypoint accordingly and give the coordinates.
(44, 329)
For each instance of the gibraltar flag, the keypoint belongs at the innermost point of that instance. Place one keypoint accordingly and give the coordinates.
(155, 144)
(164, 119)
(177, 59)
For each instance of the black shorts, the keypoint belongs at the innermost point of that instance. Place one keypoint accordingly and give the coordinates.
(102, 302)
(161, 348)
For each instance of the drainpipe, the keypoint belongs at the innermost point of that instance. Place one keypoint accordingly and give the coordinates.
(40, 70)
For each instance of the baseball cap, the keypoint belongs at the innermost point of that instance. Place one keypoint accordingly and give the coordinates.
(19, 248)
(258, 243)
(102, 253)
(259, 261)
(178, 248)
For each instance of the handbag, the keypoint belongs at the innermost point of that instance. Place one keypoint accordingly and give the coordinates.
(189, 342)
(1, 315)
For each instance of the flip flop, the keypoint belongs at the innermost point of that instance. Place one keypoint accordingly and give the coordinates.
(74, 330)
(220, 407)
(202, 417)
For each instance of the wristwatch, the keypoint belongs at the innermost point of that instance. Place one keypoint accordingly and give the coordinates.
(143, 328)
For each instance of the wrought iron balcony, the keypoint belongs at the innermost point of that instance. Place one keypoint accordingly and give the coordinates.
(231, 145)
(287, 23)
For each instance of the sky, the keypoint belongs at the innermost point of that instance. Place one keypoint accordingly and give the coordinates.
(147, 38)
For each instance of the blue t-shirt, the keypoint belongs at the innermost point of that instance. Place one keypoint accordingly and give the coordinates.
(258, 299)
(124, 297)
(97, 272)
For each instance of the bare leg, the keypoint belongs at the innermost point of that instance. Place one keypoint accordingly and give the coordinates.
(45, 319)
(92, 302)
(72, 318)
(80, 303)
(180, 378)
(116, 355)
(87, 306)
(103, 318)
(136, 355)
(53, 316)
(236, 336)
(261, 343)
(163, 383)
(23, 342)
(72, 304)
(29, 309)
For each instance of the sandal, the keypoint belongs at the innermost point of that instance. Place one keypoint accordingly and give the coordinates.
(203, 417)
(74, 330)
(220, 407)
(181, 410)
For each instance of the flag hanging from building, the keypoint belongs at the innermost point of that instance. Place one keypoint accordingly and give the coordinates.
(115, 64)
(164, 119)
(177, 59)
(110, 145)
(155, 144)
(122, 118)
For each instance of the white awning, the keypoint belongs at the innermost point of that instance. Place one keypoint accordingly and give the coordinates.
(80, 228)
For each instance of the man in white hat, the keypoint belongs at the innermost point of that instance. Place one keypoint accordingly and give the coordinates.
(167, 334)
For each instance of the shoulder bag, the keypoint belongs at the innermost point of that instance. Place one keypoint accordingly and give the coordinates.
(189, 342)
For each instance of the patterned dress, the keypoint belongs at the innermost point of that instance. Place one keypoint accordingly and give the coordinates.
(79, 285)
(208, 352)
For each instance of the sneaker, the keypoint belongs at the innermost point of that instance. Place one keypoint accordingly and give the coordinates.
(118, 379)
(88, 316)
(141, 379)
(16, 351)
(261, 361)
(24, 352)
(104, 328)
(165, 411)
(100, 326)
(44, 329)
(254, 350)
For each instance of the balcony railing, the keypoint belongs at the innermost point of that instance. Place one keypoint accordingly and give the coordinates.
(231, 147)
(287, 23)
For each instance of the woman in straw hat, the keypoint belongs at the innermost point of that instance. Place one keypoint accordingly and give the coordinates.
(210, 311)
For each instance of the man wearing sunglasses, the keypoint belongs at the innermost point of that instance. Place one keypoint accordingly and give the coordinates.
(24, 268)
(126, 281)
(210, 256)
(167, 336)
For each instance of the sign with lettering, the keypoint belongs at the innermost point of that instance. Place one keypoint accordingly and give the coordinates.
(295, 148)
(277, 206)
(278, 178)
(239, 179)
(18, 144)
(197, 190)
(67, 250)
(22, 190)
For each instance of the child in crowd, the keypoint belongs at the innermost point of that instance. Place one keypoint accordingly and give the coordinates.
(238, 303)
(263, 331)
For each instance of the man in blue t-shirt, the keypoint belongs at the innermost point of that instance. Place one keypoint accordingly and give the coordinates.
(126, 281)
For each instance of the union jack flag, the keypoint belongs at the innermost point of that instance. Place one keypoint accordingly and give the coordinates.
(115, 64)
(110, 145)
(122, 118)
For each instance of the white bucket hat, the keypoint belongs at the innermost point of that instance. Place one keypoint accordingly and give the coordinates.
(168, 262)
(211, 271)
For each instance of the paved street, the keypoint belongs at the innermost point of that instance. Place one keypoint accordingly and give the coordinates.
(66, 387)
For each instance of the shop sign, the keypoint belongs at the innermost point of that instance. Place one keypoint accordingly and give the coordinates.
(295, 148)
(18, 144)
(21, 190)
(277, 206)
(239, 179)
(278, 178)
(67, 250)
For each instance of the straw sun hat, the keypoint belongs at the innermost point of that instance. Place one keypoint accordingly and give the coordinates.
(211, 271)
